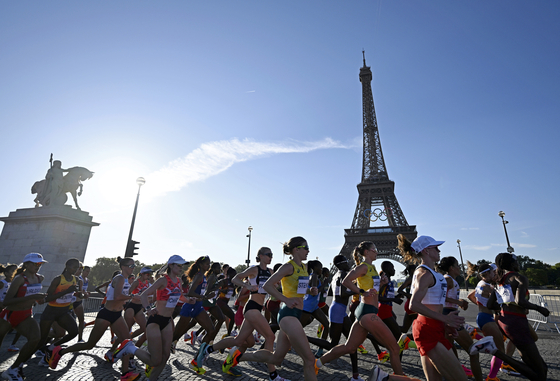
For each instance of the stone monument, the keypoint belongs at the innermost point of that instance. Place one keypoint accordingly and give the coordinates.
(55, 230)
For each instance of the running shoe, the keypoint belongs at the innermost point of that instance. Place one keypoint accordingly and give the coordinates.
(508, 369)
(193, 338)
(467, 371)
(233, 371)
(362, 350)
(148, 371)
(484, 345)
(378, 374)
(127, 347)
(39, 353)
(232, 359)
(130, 376)
(109, 357)
(20, 371)
(405, 342)
(233, 333)
(81, 341)
(316, 367)
(320, 330)
(319, 353)
(201, 354)
(55, 357)
(12, 375)
(280, 378)
(492, 379)
(357, 379)
(13, 348)
(187, 337)
(196, 368)
(113, 339)
(384, 356)
(132, 365)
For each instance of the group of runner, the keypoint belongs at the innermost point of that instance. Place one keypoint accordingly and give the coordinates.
(292, 295)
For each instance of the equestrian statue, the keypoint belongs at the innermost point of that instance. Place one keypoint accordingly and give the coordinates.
(52, 190)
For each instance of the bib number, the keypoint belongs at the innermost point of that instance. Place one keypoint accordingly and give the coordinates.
(303, 284)
(33, 289)
(173, 300)
(376, 282)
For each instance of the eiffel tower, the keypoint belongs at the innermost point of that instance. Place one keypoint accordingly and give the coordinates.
(377, 203)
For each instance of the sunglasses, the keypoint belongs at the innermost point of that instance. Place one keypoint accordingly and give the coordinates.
(130, 266)
(267, 254)
(303, 247)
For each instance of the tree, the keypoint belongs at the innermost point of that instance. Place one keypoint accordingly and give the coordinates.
(240, 268)
(536, 277)
(104, 268)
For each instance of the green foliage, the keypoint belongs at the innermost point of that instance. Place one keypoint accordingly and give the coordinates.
(240, 268)
(536, 277)
(104, 268)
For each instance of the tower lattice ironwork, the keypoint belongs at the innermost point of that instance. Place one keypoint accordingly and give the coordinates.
(377, 202)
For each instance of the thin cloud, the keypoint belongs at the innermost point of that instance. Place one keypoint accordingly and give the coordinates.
(470, 228)
(250, 91)
(475, 247)
(213, 158)
(524, 245)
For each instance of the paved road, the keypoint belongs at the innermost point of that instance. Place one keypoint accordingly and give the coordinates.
(90, 365)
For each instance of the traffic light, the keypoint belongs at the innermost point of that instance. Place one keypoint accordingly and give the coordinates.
(131, 248)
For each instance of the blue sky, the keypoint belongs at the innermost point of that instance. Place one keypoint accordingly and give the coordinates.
(249, 113)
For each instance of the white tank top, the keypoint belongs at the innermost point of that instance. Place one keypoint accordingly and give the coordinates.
(4, 290)
(436, 293)
(453, 293)
(111, 290)
(478, 293)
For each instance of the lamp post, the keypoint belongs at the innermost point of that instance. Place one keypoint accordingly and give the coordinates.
(248, 261)
(131, 245)
(504, 222)
(462, 265)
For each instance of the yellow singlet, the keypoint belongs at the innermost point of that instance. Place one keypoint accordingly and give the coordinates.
(296, 284)
(370, 280)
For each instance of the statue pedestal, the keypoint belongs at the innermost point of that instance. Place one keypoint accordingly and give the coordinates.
(57, 232)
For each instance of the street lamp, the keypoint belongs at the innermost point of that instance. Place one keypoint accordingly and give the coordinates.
(248, 261)
(462, 265)
(504, 222)
(131, 245)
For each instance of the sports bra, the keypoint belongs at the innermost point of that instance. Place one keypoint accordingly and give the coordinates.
(260, 279)
(201, 288)
(295, 285)
(110, 294)
(452, 293)
(481, 300)
(437, 292)
(370, 280)
(171, 293)
(141, 287)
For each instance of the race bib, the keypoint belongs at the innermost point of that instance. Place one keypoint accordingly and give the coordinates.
(376, 282)
(65, 299)
(303, 284)
(173, 299)
(33, 289)
(229, 294)
(391, 294)
(337, 290)
(261, 289)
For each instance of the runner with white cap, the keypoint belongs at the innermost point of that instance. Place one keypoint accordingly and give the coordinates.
(429, 290)
(24, 292)
(159, 328)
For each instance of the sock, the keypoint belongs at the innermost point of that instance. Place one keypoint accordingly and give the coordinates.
(495, 365)
(318, 363)
(273, 375)
(209, 349)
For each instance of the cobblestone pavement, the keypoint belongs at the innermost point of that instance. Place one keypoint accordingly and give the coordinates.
(91, 366)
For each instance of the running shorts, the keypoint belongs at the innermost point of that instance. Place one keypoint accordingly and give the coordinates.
(54, 313)
(252, 305)
(516, 327)
(15, 317)
(287, 311)
(337, 313)
(483, 318)
(427, 333)
(162, 321)
(110, 316)
(191, 310)
(365, 309)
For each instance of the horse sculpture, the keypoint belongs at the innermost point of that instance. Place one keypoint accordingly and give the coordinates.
(71, 182)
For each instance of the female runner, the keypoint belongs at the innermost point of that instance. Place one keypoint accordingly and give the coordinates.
(429, 290)
(295, 281)
(367, 321)
(226, 293)
(24, 292)
(404, 289)
(9, 272)
(159, 329)
(254, 319)
(133, 311)
(485, 320)
(109, 316)
(198, 289)
(449, 267)
(311, 309)
(512, 294)
(78, 303)
(59, 298)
